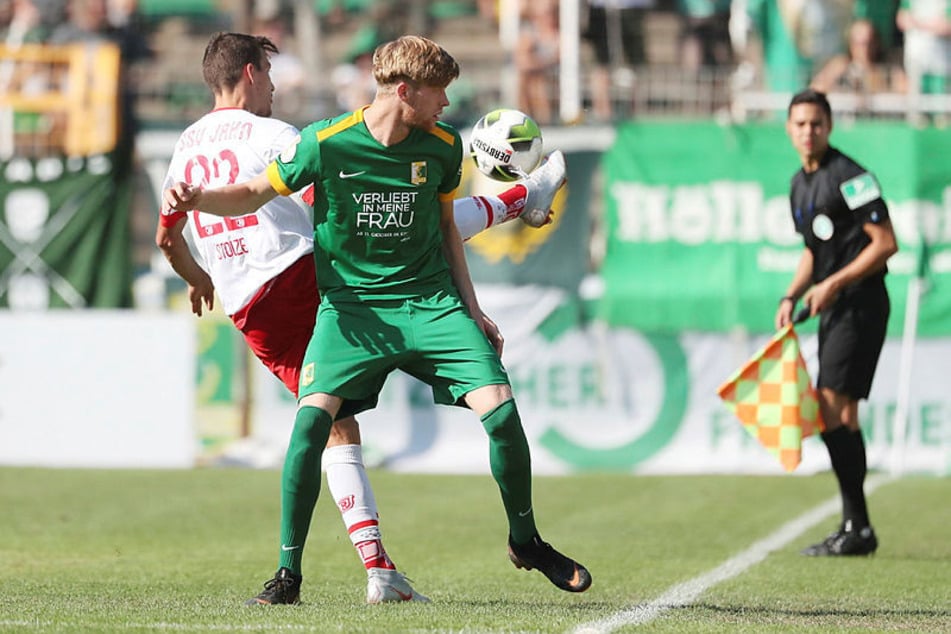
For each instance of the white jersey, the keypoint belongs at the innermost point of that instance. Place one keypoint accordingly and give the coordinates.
(242, 253)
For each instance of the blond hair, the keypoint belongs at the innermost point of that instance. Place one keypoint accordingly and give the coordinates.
(415, 59)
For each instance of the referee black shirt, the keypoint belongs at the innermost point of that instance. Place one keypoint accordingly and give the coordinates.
(829, 207)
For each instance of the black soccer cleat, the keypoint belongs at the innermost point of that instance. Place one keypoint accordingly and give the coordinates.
(565, 573)
(283, 589)
(845, 542)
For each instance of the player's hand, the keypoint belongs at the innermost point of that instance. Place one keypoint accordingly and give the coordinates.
(492, 333)
(181, 196)
(202, 294)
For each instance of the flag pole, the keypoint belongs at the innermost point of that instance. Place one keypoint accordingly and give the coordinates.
(906, 364)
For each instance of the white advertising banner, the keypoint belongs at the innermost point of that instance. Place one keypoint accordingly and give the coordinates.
(97, 388)
(597, 399)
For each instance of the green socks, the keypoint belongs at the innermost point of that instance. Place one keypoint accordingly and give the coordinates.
(300, 482)
(511, 466)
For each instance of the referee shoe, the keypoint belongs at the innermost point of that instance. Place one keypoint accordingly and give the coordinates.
(846, 541)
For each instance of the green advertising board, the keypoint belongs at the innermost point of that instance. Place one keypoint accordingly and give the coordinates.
(65, 238)
(700, 237)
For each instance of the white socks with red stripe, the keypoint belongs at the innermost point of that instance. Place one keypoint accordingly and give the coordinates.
(477, 213)
(350, 488)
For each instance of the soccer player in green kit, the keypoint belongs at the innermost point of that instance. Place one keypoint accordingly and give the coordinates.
(396, 292)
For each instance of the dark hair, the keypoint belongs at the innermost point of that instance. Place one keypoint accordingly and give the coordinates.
(228, 53)
(810, 95)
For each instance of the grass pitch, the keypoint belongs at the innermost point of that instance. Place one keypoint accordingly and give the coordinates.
(179, 551)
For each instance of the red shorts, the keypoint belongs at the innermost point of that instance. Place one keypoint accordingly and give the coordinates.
(279, 320)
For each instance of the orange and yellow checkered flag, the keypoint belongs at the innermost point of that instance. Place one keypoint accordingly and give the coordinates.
(773, 397)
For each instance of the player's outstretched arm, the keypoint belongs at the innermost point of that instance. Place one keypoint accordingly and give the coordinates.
(171, 242)
(238, 199)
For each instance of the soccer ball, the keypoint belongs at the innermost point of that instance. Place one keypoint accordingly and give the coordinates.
(506, 144)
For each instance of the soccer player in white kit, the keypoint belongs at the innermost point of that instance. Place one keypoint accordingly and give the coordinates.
(262, 267)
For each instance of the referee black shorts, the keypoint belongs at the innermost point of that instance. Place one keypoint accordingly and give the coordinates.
(851, 335)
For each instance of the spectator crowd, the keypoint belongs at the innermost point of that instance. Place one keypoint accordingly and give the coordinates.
(856, 47)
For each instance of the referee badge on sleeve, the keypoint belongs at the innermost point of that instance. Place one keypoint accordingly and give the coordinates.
(860, 190)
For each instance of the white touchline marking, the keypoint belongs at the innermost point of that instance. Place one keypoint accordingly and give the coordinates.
(687, 592)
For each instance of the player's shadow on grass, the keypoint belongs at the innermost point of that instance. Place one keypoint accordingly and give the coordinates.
(929, 558)
(597, 608)
(740, 610)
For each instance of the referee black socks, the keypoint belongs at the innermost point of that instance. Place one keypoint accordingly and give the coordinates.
(847, 454)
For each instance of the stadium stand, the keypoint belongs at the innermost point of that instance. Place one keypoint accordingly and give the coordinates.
(58, 99)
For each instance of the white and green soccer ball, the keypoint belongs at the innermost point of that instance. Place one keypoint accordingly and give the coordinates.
(506, 144)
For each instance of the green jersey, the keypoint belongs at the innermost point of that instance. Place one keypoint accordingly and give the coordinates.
(376, 209)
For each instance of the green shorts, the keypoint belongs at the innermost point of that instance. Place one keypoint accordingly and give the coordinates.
(357, 344)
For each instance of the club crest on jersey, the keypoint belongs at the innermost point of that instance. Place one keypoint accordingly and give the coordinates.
(307, 375)
(417, 172)
(287, 155)
(822, 227)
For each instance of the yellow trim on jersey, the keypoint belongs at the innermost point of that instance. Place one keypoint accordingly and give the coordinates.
(447, 137)
(449, 196)
(347, 122)
(274, 177)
